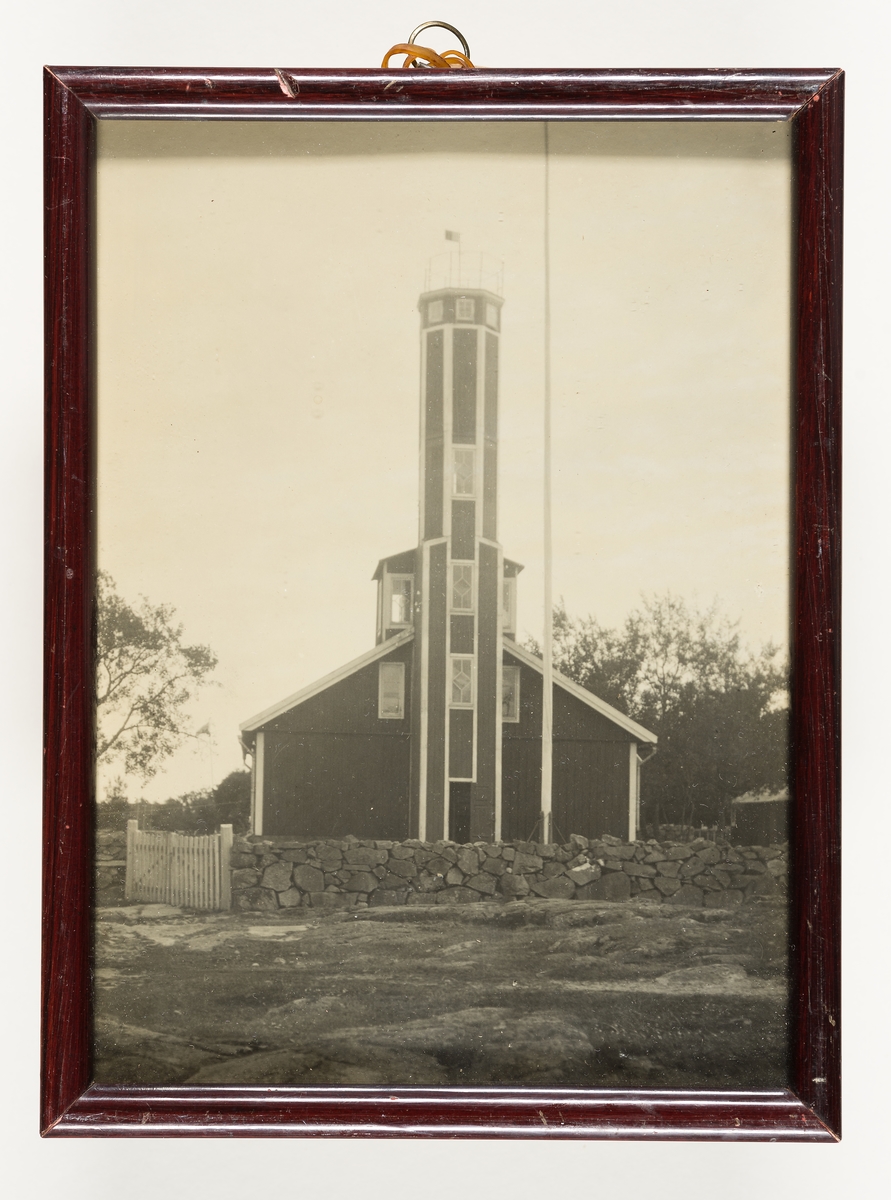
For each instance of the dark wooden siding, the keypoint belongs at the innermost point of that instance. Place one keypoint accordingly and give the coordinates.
(460, 743)
(433, 436)
(463, 528)
(333, 767)
(461, 634)
(590, 789)
(521, 759)
(330, 785)
(464, 352)
(436, 683)
(483, 794)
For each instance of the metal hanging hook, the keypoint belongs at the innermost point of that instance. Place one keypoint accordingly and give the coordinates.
(441, 25)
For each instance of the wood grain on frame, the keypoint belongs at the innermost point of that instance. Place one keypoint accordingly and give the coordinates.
(74, 99)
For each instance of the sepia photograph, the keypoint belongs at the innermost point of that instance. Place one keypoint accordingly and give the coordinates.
(444, 479)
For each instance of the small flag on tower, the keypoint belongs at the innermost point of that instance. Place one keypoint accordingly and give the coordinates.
(451, 236)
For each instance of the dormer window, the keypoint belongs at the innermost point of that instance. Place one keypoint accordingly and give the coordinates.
(464, 309)
(399, 600)
(434, 312)
(463, 464)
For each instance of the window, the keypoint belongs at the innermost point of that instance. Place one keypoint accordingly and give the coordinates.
(492, 316)
(399, 605)
(391, 691)
(462, 682)
(434, 312)
(509, 604)
(464, 310)
(462, 472)
(510, 694)
(462, 587)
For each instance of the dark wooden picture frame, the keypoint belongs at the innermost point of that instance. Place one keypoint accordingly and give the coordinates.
(75, 99)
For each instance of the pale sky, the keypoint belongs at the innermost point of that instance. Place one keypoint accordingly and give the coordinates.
(258, 374)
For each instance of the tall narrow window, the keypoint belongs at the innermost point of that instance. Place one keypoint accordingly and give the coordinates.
(462, 472)
(510, 694)
(462, 587)
(492, 316)
(399, 606)
(391, 691)
(434, 312)
(509, 605)
(464, 309)
(462, 682)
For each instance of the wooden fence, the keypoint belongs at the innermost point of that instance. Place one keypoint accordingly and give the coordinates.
(176, 868)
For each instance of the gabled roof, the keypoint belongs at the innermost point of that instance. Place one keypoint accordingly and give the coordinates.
(364, 660)
(606, 710)
(398, 564)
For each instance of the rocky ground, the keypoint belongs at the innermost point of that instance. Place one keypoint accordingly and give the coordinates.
(551, 992)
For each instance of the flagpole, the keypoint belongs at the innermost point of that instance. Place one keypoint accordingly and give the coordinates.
(547, 707)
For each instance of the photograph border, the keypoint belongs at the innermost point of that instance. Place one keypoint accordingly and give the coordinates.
(75, 99)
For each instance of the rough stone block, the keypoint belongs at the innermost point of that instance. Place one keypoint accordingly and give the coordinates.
(454, 877)
(677, 853)
(576, 839)
(437, 865)
(362, 881)
(241, 860)
(277, 877)
(552, 869)
(484, 882)
(291, 898)
(245, 878)
(514, 886)
(468, 861)
(387, 897)
(668, 868)
(403, 851)
(692, 868)
(723, 877)
(403, 867)
(429, 883)
(365, 856)
(764, 885)
(545, 850)
(308, 879)
(508, 853)
(615, 886)
(560, 887)
(639, 869)
(710, 855)
(495, 866)
(392, 882)
(525, 863)
(294, 856)
(256, 900)
(666, 885)
(421, 898)
(625, 853)
(581, 876)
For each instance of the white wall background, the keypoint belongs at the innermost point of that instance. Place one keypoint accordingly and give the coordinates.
(520, 33)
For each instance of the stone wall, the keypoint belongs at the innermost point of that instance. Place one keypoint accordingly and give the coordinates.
(276, 873)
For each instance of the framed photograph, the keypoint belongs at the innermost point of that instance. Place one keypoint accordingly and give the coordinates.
(442, 603)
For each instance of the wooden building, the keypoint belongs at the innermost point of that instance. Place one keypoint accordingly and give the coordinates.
(437, 731)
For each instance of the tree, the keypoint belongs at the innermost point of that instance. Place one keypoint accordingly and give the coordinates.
(720, 712)
(145, 678)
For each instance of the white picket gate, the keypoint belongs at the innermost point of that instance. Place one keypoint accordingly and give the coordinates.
(176, 868)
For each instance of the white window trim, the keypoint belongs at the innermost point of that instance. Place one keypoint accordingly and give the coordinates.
(516, 672)
(388, 602)
(456, 450)
(466, 300)
(382, 716)
(472, 660)
(509, 618)
(463, 565)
